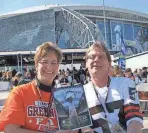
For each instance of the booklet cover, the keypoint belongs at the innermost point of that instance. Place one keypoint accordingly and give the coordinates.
(71, 107)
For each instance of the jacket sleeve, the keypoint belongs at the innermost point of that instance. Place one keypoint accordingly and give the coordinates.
(131, 102)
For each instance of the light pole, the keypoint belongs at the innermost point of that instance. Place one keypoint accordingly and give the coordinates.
(104, 15)
(58, 2)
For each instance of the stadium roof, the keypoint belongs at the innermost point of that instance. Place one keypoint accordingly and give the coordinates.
(63, 50)
(74, 7)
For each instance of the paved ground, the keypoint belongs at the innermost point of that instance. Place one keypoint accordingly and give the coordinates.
(145, 122)
(145, 129)
(3, 96)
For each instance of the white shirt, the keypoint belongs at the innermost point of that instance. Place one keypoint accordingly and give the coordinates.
(102, 93)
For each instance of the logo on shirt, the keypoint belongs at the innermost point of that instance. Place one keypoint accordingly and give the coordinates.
(43, 115)
(40, 109)
(132, 93)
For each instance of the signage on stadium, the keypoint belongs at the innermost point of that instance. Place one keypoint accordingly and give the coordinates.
(75, 57)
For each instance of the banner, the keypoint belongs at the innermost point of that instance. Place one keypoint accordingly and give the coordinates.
(122, 63)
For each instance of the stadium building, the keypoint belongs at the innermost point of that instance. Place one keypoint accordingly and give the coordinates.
(73, 28)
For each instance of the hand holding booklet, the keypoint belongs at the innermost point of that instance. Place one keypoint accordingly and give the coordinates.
(71, 107)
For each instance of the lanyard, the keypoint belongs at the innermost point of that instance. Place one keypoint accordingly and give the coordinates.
(101, 102)
(99, 96)
(49, 102)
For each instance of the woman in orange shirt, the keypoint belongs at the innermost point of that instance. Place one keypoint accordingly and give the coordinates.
(29, 107)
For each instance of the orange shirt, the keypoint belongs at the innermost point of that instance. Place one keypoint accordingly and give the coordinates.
(24, 107)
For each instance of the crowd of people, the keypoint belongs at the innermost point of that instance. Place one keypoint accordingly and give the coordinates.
(16, 78)
(64, 77)
(82, 75)
(111, 97)
(73, 76)
(8, 74)
(138, 75)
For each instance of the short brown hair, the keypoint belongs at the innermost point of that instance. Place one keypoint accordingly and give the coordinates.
(128, 70)
(100, 45)
(44, 49)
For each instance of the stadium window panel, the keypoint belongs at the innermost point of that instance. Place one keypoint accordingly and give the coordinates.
(145, 31)
(62, 40)
(128, 32)
(102, 29)
(136, 30)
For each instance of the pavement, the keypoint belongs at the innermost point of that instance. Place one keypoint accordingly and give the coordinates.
(4, 94)
(3, 97)
(145, 123)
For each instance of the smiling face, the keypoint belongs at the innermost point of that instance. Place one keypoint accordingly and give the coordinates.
(47, 68)
(97, 62)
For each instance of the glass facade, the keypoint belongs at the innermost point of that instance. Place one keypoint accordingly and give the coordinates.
(128, 31)
(134, 37)
(63, 39)
(101, 27)
(66, 42)
(25, 32)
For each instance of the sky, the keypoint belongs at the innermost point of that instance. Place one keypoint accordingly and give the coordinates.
(13, 5)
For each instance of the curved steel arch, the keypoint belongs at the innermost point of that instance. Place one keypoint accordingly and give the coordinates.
(80, 29)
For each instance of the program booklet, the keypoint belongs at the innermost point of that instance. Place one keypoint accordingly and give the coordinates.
(71, 107)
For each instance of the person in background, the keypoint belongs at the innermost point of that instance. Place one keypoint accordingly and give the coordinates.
(24, 71)
(118, 72)
(20, 78)
(29, 107)
(128, 73)
(8, 75)
(81, 74)
(1, 75)
(27, 75)
(144, 74)
(69, 77)
(113, 101)
(139, 71)
(4, 75)
(88, 78)
(63, 79)
(133, 76)
(138, 79)
(75, 75)
(13, 72)
(111, 72)
(13, 83)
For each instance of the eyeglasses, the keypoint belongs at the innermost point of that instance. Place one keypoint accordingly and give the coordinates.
(47, 63)
(100, 57)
